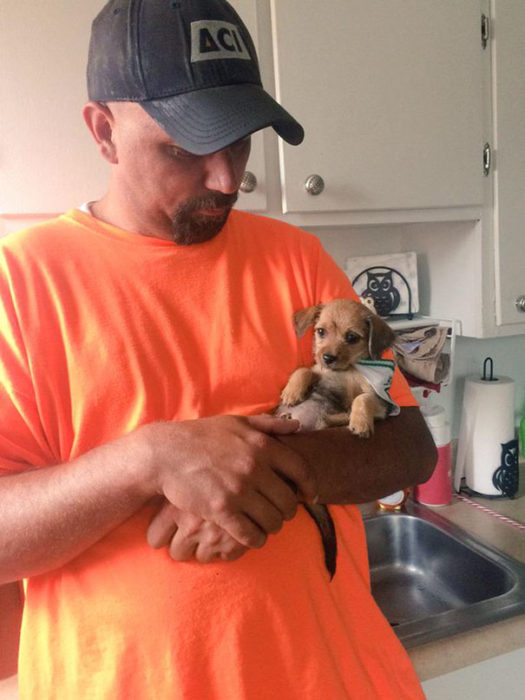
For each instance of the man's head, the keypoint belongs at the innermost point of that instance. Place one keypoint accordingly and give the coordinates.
(191, 65)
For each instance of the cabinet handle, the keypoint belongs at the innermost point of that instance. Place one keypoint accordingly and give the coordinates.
(248, 182)
(487, 159)
(520, 303)
(314, 184)
(485, 31)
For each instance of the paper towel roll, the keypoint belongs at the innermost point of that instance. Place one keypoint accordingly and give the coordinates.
(487, 425)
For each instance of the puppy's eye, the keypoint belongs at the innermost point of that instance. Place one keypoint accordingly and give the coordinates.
(351, 338)
(320, 332)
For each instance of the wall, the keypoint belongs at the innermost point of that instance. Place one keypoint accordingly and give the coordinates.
(433, 244)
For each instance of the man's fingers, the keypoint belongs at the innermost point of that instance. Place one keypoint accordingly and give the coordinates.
(281, 493)
(267, 423)
(292, 469)
(203, 541)
(264, 513)
(182, 548)
(242, 529)
(162, 527)
(284, 460)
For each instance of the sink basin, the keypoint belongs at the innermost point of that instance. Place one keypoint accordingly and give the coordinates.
(431, 579)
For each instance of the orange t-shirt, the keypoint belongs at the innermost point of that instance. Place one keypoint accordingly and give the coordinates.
(103, 330)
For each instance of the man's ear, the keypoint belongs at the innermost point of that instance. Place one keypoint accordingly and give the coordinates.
(100, 121)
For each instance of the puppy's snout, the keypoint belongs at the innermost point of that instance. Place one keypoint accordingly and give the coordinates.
(329, 359)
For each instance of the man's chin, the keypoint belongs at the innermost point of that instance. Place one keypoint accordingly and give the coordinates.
(199, 227)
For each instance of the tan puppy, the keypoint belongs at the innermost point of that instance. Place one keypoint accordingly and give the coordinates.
(334, 391)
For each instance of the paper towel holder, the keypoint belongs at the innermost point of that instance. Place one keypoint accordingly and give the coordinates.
(488, 361)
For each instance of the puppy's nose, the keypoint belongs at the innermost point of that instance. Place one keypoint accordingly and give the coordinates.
(329, 359)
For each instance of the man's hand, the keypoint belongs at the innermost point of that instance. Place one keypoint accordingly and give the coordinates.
(230, 471)
(189, 537)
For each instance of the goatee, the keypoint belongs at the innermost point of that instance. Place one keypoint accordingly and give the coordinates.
(200, 220)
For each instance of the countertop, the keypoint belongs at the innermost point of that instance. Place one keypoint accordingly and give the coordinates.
(484, 519)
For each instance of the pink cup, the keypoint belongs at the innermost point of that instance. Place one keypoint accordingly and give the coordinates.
(437, 491)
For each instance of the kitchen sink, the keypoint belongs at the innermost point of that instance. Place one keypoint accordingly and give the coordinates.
(431, 579)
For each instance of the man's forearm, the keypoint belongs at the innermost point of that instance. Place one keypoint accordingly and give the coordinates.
(400, 453)
(50, 515)
(224, 469)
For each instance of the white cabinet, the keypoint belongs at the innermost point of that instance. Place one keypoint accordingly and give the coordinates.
(487, 270)
(390, 95)
(256, 200)
(388, 91)
(509, 159)
(498, 677)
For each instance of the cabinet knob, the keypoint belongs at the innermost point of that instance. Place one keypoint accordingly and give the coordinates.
(314, 184)
(520, 303)
(248, 182)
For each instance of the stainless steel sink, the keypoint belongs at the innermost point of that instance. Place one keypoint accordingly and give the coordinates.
(431, 579)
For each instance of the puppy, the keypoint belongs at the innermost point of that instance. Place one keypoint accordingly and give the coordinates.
(336, 390)
(347, 385)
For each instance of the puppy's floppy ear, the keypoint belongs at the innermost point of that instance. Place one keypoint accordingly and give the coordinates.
(306, 317)
(380, 336)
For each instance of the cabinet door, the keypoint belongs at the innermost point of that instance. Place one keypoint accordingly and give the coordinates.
(48, 161)
(509, 94)
(389, 93)
(255, 200)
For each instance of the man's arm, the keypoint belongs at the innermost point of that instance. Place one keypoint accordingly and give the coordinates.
(348, 469)
(226, 470)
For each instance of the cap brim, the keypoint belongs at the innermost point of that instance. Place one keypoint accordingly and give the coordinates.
(205, 121)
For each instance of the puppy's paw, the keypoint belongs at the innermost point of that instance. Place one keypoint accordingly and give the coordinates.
(361, 425)
(298, 386)
(291, 396)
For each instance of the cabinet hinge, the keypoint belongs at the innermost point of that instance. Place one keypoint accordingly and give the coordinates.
(485, 30)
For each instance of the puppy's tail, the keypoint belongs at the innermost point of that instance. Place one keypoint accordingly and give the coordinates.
(325, 524)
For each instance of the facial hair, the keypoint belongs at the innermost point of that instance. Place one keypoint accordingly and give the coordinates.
(190, 223)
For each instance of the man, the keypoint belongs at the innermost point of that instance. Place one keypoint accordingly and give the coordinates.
(145, 339)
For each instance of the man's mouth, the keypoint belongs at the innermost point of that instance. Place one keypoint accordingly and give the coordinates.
(212, 213)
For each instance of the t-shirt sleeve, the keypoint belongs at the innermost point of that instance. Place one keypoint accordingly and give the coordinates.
(22, 440)
(333, 283)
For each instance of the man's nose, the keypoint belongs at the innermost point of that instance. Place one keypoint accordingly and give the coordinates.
(223, 172)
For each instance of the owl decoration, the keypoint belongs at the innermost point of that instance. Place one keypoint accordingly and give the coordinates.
(506, 476)
(381, 288)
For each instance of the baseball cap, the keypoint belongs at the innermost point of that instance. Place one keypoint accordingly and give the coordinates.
(191, 65)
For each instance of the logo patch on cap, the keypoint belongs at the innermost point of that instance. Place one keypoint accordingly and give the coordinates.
(212, 39)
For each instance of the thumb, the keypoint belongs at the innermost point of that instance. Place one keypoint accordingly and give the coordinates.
(267, 423)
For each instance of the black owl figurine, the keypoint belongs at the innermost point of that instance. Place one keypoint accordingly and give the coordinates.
(381, 288)
(506, 476)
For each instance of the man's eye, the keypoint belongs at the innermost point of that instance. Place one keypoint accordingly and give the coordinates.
(240, 145)
(320, 332)
(181, 154)
(351, 338)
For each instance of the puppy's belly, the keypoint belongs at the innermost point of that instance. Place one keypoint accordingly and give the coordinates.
(309, 413)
